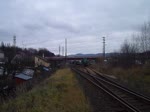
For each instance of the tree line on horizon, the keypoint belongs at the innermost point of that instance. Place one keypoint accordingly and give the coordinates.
(11, 51)
(135, 51)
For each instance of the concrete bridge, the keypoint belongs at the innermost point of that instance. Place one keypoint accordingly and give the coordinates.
(57, 61)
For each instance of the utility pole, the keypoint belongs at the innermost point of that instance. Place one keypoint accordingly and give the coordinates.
(103, 47)
(14, 41)
(62, 50)
(65, 50)
(14, 44)
(59, 50)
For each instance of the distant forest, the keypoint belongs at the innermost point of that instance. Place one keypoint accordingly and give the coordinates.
(11, 51)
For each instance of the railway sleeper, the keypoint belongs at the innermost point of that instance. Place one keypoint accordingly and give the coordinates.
(145, 108)
(139, 105)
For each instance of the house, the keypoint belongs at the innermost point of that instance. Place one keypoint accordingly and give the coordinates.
(25, 75)
(19, 58)
(28, 72)
(21, 78)
(39, 61)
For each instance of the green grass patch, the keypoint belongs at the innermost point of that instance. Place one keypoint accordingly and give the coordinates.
(58, 93)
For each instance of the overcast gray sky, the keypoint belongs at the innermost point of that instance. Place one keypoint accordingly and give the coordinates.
(46, 23)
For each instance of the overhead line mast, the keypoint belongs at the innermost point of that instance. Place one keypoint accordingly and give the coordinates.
(104, 41)
(59, 49)
(65, 50)
(62, 50)
(14, 44)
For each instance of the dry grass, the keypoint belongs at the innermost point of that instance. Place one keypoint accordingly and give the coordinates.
(137, 78)
(59, 93)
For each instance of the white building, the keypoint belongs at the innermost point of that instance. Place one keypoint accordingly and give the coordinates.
(2, 57)
(41, 61)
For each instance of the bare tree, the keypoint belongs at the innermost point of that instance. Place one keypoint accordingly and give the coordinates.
(128, 48)
(145, 37)
(128, 54)
(144, 40)
(137, 49)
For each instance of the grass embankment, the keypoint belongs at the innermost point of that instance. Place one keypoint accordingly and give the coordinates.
(138, 78)
(58, 93)
(135, 77)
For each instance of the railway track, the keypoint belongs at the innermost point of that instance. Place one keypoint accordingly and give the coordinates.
(129, 100)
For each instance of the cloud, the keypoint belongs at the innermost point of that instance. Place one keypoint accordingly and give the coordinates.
(46, 23)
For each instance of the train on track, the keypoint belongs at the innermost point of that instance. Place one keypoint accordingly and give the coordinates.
(84, 62)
